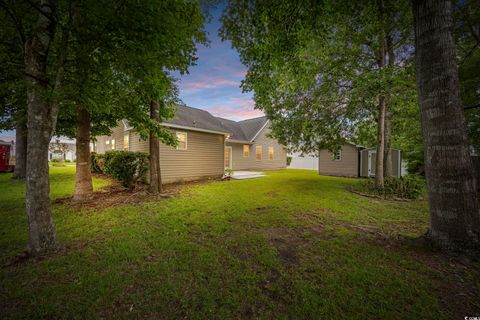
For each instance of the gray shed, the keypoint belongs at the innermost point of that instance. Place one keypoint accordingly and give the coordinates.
(368, 159)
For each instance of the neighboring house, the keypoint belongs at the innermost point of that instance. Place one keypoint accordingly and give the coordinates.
(354, 161)
(303, 161)
(68, 153)
(205, 143)
(249, 147)
(62, 148)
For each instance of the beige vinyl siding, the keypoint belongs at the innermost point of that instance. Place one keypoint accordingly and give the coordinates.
(203, 157)
(239, 162)
(347, 166)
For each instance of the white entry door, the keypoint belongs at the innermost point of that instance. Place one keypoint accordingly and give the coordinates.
(228, 157)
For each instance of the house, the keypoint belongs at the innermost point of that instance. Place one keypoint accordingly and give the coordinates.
(249, 147)
(355, 161)
(59, 147)
(62, 148)
(206, 145)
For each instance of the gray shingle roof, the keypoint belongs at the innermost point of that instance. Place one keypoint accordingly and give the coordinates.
(251, 126)
(196, 118)
(236, 132)
(243, 130)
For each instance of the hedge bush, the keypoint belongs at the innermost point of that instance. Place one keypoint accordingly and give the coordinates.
(407, 187)
(98, 162)
(126, 167)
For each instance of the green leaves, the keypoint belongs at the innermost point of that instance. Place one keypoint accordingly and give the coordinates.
(316, 70)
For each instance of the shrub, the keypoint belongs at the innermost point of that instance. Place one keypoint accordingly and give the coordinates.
(407, 187)
(68, 160)
(228, 173)
(55, 160)
(126, 167)
(289, 160)
(98, 162)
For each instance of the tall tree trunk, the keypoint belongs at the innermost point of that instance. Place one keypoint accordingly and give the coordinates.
(454, 210)
(387, 157)
(20, 150)
(382, 109)
(379, 178)
(83, 175)
(387, 152)
(42, 238)
(155, 173)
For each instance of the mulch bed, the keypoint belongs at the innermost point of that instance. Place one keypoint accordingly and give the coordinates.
(376, 196)
(115, 195)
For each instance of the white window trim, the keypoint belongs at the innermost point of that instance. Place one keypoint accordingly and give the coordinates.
(248, 152)
(261, 153)
(273, 153)
(339, 158)
(186, 140)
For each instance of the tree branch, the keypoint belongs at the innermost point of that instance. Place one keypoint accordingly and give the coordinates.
(17, 22)
(39, 9)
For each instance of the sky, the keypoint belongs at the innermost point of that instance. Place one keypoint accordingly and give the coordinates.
(213, 84)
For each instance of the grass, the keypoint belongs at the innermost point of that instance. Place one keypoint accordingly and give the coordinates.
(290, 245)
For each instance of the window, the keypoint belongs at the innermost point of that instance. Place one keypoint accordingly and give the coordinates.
(270, 153)
(258, 152)
(246, 150)
(337, 155)
(113, 144)
(107, 142)
(182, 140)
(126, 141)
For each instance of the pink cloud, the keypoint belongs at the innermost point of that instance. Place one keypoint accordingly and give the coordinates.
(231, 71)
(236, 109)
(209, 83)
(240, 73)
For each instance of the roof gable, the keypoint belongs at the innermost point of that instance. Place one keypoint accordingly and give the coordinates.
(252, 127)
(245, 130)
(196, 118)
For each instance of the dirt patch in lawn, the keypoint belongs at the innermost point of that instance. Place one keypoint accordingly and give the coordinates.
(24, 258)
(287, 241)
(115, 195)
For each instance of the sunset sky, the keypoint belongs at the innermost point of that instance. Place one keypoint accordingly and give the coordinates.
(214, 83)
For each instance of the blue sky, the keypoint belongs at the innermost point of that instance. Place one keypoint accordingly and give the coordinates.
(213, 84)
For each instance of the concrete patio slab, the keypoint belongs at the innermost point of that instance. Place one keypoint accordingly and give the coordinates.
(239, 175)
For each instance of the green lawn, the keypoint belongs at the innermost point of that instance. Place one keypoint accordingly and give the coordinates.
(290, 245)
